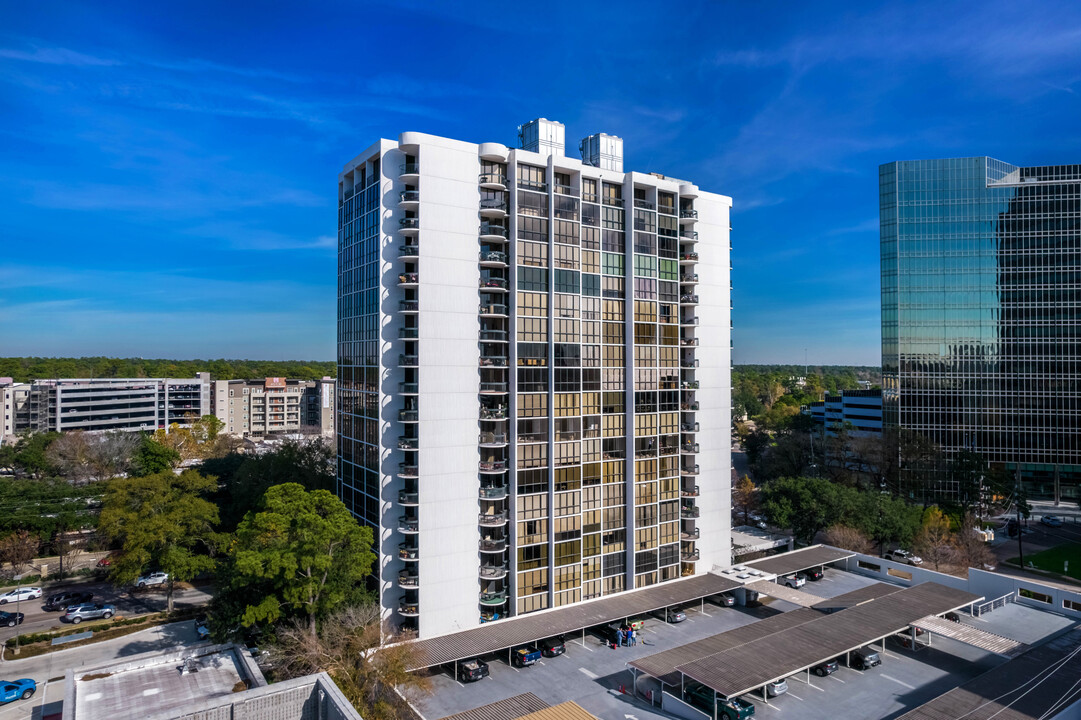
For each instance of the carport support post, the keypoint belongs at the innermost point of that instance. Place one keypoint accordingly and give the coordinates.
(583, 637)
(913, 629)
(808, 676)
(883, 644)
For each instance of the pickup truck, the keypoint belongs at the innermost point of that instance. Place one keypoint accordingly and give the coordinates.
(526, 656)
(472, 670)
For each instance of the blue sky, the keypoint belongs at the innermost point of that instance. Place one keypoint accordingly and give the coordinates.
(168, 172)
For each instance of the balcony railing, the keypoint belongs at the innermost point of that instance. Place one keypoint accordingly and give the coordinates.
(693, 235)
(408, 415)
(689, 555)
(689, 321)
(533, 185)
(688, 363)
(688, 299)
(409, 223)
(492, 179)
(408, 443)
(408, 333)
(408, 524)
(408, 278)
(689, 406)
(493, 572)
(688, 278)
(493, 598)
(487, 438)
(493, 493)
(493, 335)
(408, 360)
(409, 388)
(410, 168)
(688, 213)
(492, 309)
(643, 204)
(689, 492)
(498, 545)
(493, 413)
(492, 465)
(613, 201)
(493, 360)
(689, 469)
(493, 283)
(688, 342)
(689, 447)
(689, 427)
(408, 469)
(405, 497)
(408, 552)
(408, 305)
(493, 204)
(491, 229)
(408, 579)
(493, 387)
(689, 385)
(409, 196)
(690, 535)
(409, 250)
(493, 256)
(409, 609)
(689, 511)
(492, 520)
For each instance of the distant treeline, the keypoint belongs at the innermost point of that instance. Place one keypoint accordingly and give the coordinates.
(871, 373)
(25, 369)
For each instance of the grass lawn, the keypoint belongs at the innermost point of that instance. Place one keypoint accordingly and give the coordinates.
(1054, 559)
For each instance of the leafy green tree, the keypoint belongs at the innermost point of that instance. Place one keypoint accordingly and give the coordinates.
(934, 541)
(151, 457)
(31, 454)
(47, 506)
(160, 521)
(801, 504)
(301, 555)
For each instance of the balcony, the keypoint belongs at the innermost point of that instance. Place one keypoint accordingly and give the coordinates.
(689, 406)
(689, 469)
(688, 448)
(689, 492)
(493, 572)
(487, 335)
(688, 299)
(493, 207)
(409, 198)
(493, 258)
(408, 525)
(688, 427)
(409, 306)
(689, 236)
(405, 497)
(612, 201)
(668, 450)
(493, 388)
(408, 333)
(410, 279)
(493, 546)
(408, 360)
(688, 278)
(498, 492)
(688, 342)
(492, 519)
(689, 385)
(408, 552)
(643, 204)
(492, 310)
(688, 214)
(689, 512)
(495, 360)
(492, 181)
(492, 466)
(408, 443)
(409, 250)
(493, 598)
(410, 168)
(490, 232)
(408, 388)
(493, 284)
(688, 321)
(408, 579)
(688, 363)
(689, 535)
(409, 608)
(689, 555)
(409, 225)
(408, 470)
(493, 413)
(409, 416)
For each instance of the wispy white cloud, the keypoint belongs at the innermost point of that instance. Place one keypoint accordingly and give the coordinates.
(57, 56)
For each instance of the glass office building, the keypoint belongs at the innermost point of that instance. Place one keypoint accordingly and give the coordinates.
(981, 313)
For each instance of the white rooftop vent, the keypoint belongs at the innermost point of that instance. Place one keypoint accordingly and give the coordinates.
(603, 150)
(542, 136)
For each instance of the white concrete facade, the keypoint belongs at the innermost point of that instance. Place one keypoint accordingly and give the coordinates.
(433, 338)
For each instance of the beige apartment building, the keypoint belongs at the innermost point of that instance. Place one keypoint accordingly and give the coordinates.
(275, 405)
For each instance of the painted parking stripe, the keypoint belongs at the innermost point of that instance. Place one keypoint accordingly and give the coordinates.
(895, 657)
(789, 693)
(899, 682)
(589, 673)
(837, 679)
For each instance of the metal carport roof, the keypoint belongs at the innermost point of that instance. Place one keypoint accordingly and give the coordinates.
(752, 665)
(969, 635)
(783, 592)
(797, 560)
(529, 628)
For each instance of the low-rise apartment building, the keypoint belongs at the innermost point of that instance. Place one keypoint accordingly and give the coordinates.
(268, 406)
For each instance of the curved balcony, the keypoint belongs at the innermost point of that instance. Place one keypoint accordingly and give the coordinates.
(409, 416)
(688, 299)
(688, 215)
(409, 168)
(493, 572)
(688, 469)
(408, 470)
(490, 335)
(689, 236)
(493, 413)
(689, 427)
(408, 552)
(493, 388)
(408, 443)
(493, 598)
(408, 333)
(492, 520)
(492, 310)
(689, 492)
(408, 361)
(689, 512)
(409, 226)
(409, 307)
(408, 579)
(493, 360)
(493, 493)
(493, 207)
(492, 466)
(492, 181)
(688, 278)
(493, 546)
(491, 232)
(408, 525)
(409, 199)
(688, 258)
(493, 284)
(408, 388)
(409, 250)
(689, 406)
(408, 280)
(690, 535)
(493, 258)
(689, 555)
(408, 608)
(490, 440)
(405, 497)
(688, 321)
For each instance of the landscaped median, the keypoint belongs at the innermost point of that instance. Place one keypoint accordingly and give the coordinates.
(32, 644)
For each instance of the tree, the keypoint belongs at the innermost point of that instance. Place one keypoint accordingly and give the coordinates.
(348, 647)
(30, 456)
(934, 541)
(69, 455)
(110, 454)
(804, 505)
(969, 548)
(160, 521)
(889, 520)
(151, 457)
(18, 549)
(847, 538)
(745, 498)
(302, 554)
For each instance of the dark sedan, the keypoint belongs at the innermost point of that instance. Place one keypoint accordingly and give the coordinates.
(815, 574)
(823, 669)
(10, 619)
(61, 601)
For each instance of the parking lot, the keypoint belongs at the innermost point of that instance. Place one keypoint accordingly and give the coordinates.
(595, 675)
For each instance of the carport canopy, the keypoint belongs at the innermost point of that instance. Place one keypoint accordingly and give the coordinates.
(752, 665)
(523, 629)
(783, 592)
(799, 560)
(971, 636)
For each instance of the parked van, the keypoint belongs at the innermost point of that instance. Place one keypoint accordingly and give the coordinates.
(865, 658)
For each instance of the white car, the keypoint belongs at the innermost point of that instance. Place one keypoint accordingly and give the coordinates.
(904, 556)
(151, 579)
(794, 581)
(29, 593)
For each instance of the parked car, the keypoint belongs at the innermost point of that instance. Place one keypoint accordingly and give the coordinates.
(151, 579)
(823, 669)
(11, 690)
(702, 697)
(952, 616)
(636, 624)
(10, 619)
(105, 561)
(815, 574)
(552, 646)
(795, 580)
(672, 615)
(89, 611)
(59, 601)
(777, 687)
(608, 633)
(472, 670)
(724, 599)
(27, 593)
(865, 658)
(903, 556)
(202, 628)
(525, 656)
(1051, 521)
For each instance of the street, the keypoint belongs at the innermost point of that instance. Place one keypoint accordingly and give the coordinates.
(126, 602)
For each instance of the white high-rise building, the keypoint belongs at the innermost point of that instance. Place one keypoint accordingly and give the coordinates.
(534, 374)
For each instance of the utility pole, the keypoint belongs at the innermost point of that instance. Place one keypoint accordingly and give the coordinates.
(1017, 504)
